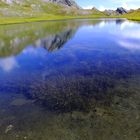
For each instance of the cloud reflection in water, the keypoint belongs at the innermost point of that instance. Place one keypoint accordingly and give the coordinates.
(8, 64)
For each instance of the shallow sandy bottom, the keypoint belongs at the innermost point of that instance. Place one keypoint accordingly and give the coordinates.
(116, 119)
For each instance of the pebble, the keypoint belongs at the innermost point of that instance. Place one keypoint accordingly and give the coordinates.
(25, 137)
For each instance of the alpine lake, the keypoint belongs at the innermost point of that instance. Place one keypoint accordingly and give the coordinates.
(70, 80)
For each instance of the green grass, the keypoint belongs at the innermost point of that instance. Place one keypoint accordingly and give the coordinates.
(135, 15)
(32, 11)
(47, 17)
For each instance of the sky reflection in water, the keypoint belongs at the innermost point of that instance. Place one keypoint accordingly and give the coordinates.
(89, 57)
(70, 80)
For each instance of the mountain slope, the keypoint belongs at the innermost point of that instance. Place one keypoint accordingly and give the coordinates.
(18, 11)
(39, 8)
(133, 15)
(36, 7)
(69, 3)
(118, 11)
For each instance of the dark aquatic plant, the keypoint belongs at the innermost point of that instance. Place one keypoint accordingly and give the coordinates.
(72, 93)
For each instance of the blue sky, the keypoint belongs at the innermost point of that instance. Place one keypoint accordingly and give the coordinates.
(109, 4)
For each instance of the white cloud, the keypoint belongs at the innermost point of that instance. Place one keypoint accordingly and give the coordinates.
(127, 4)
(129, 45)
(102, 24)
(102, 8)
(127, 36)
(88, 7)
(112, 4)
(130, 6)
(126, 24)
(8, 64)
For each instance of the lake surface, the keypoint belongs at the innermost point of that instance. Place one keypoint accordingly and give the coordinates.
(70, 80)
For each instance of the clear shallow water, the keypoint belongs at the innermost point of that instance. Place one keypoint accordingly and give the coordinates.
(70, 80)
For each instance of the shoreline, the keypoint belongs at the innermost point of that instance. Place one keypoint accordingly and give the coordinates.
(17, 20)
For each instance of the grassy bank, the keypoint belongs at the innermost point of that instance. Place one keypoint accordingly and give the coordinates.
(17, 20)
(134, 15)
(134, 18)
(14, 20)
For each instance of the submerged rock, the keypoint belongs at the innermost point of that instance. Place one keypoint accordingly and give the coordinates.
(20, 102)
(8, 128)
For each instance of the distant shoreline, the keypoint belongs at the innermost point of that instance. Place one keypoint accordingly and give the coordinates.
(19, 20)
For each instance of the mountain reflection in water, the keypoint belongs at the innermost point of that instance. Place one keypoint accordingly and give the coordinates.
(80, 76)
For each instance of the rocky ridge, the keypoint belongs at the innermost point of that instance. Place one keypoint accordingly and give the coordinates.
(118, 11)
(69, 3)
